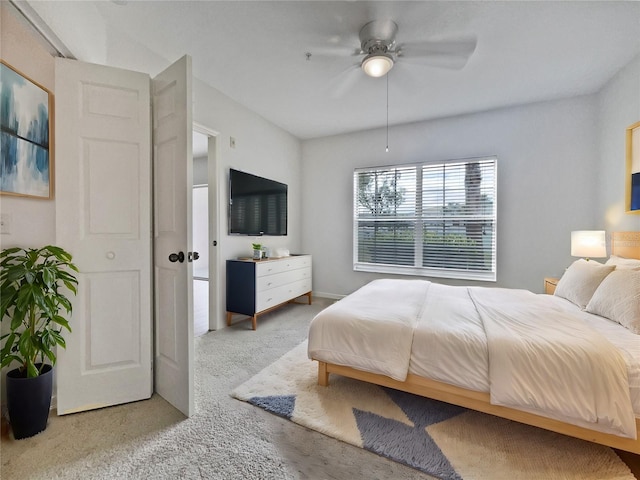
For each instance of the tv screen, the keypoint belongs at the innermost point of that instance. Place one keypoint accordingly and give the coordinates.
(257, 206)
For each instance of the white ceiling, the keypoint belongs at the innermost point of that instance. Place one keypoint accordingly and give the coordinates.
(254, 52)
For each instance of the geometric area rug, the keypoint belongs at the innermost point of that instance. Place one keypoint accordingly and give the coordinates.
(445, 441)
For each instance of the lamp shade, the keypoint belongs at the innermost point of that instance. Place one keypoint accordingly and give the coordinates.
(588, 243)
(377, 65)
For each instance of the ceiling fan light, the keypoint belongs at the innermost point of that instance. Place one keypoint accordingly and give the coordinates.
(377, 65)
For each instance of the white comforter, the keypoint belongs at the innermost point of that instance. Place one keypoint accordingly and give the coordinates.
(526, 352)
(540, 357)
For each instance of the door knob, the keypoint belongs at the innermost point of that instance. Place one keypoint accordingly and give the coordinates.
(177, 257)
(193, 256)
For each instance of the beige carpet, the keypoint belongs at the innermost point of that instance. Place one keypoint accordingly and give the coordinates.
(225, 439)
(437, 438)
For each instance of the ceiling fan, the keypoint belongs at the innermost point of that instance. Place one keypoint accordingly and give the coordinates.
(378, 45)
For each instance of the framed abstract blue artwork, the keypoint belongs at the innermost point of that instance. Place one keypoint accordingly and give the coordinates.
(633, 169)
(26, 163)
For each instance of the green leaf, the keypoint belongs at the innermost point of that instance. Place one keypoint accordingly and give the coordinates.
(16, 273)
(6, 361)
(7, 298)
(51, 356)
(8, 344)
(32, 371)
(62, 275)
(49, 276)
(59, 253)
(71, 287)
(24, 343)
(8, 252)
(64, 301)
(25, 296)
(61, 321)
(59, 340)
(17, 318)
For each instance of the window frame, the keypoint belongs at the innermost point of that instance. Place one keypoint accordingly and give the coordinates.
(419, 221)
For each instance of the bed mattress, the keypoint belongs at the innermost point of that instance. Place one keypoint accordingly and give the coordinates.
(447, 337)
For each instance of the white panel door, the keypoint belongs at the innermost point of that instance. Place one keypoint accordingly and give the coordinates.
(103, 218)
(173, 182)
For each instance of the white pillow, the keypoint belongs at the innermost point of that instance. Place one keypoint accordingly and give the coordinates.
(581, 280)
(621, 262)
(618, 298)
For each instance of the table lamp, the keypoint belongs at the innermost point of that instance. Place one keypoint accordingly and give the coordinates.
(588, 243)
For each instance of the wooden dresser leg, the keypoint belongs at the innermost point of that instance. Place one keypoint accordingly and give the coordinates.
(254, 322)
(309, 295)
(229, 315)
(323, 375)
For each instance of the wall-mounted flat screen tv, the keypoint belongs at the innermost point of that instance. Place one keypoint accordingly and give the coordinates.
(257, 205)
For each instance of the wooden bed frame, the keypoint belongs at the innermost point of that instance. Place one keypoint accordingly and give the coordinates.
(623, 244)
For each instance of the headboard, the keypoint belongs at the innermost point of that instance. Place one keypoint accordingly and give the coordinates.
(625, 244)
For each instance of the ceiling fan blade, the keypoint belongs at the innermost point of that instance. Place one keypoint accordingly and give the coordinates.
(344, 81)
(452, 54)
(333, 51)
(449, 62)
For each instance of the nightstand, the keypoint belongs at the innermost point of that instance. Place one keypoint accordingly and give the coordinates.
(550, 284)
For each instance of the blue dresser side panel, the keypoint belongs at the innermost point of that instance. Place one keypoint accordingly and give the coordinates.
(241, 287)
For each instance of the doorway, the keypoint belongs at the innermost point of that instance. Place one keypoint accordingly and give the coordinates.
(204, 232)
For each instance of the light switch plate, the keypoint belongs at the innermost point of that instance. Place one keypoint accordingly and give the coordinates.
(5, 223)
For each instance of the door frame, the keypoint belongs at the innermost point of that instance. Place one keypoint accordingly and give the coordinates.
(215, 276)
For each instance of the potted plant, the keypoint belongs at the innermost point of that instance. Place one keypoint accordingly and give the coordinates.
(257, 251)
(32, 296)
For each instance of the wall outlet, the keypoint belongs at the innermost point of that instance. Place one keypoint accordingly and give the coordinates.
(5, 223)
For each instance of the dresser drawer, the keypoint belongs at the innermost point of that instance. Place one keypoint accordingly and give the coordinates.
(272, 297)
(275, 296)
(277, 266)
(267, 282)
(300, 287)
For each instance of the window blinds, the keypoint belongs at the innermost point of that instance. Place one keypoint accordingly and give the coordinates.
(432, 219)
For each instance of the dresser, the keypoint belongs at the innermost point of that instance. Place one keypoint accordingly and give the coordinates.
(255, 287)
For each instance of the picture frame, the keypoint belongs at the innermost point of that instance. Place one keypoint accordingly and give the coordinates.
(632, 177)
(26, 136)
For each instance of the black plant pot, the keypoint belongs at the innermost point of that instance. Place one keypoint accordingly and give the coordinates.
(28, 401)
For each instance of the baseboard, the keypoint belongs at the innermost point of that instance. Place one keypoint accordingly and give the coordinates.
(331, 296)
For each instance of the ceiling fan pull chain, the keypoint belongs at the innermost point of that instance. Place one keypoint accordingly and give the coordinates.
(387, 148)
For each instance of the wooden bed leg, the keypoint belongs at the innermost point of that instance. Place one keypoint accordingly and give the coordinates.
(254, 322)
(229, 315)
(323, 375)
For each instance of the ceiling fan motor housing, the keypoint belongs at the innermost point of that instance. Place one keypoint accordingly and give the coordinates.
(378, 37)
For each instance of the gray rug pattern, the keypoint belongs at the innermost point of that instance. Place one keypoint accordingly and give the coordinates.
(443, 440)
(225, 439)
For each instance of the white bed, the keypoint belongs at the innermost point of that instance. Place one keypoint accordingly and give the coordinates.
(537, 359)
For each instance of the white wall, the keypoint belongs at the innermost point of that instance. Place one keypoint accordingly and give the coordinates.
(546, 153)
(32, 220)
(618, 108)
(262, 149)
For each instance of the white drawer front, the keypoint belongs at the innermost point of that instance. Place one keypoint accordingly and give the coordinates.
(277, 266)
(275, 296)
(300, 287)
(267, 282)
(271, 298)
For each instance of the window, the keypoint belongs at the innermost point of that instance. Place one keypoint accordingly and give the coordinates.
(431, 219)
